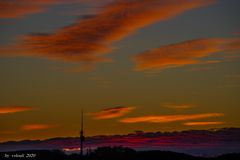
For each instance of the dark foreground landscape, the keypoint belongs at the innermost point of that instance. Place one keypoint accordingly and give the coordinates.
(110, 153)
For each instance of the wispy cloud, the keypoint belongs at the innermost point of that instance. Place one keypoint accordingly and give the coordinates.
(14, 109)
(178, 106)
(89, 39)
(185, 53)
(29, 127)
(169, 118)
(115, 112)
(22, 8)
(202, 123)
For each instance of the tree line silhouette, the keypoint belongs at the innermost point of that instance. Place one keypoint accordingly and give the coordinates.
(111, 153)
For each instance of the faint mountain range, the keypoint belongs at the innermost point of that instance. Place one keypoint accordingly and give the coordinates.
(195, 142)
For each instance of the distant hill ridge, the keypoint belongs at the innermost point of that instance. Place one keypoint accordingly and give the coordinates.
(195, 142)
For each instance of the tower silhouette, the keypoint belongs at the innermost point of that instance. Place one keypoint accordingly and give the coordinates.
(82, 138)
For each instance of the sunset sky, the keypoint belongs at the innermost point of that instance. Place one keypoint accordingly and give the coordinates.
(149, 65)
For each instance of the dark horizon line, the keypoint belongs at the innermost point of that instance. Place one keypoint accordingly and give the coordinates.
(136, 132)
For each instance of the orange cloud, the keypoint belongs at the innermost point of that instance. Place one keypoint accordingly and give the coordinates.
(89, 39)
(169, 118)
(185, 53)
(112, 112)
(21, 8)
(202, 123)
(14, 109)
(29, 127)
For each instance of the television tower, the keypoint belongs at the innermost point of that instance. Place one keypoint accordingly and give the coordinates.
(82, 138)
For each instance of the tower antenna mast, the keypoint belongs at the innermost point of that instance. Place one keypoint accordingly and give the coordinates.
(82, 138)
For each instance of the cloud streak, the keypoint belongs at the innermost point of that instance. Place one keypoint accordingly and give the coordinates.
(30, 127)
(202, 123)
(109, 113)
(169, 118)
(22, 8)
(178, 106)
(14, 109)
(184, 53)
(88, 40)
